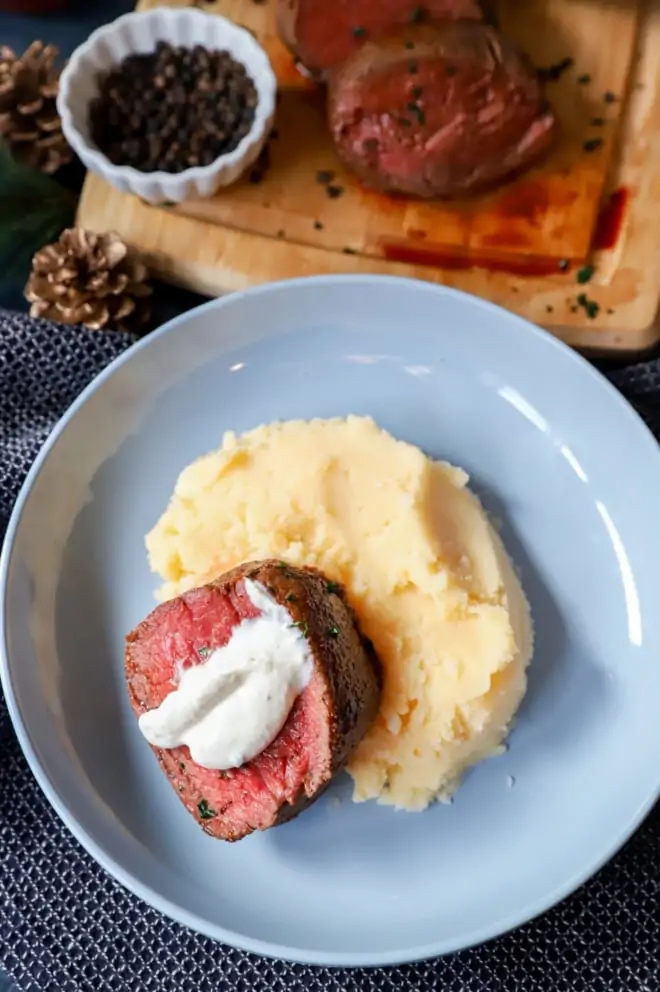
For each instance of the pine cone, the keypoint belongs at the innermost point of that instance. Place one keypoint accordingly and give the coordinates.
(29, 121)
(91, 279)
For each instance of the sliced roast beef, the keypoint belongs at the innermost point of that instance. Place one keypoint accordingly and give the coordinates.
(328, 718)
(439, 112)
(324, 33)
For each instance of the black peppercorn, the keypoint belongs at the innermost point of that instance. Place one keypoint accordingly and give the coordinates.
(173, 108)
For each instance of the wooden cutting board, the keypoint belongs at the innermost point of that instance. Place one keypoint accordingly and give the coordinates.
(596, 200)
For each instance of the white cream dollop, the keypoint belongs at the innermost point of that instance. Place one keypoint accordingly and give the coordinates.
(232, 706)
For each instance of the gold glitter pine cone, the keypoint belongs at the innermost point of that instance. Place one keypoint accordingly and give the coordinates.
(29, 121)
(91, 279)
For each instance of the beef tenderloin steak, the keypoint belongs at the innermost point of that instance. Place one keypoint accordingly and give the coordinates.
(328, 718)
(322, 34)
(439, 111)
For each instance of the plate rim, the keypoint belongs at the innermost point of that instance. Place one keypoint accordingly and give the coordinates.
(144, 892)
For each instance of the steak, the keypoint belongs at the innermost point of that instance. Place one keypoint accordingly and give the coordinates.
(439, 111)
(324, 33)
(328, 718)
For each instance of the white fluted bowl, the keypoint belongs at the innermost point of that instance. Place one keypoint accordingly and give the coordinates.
(139, 32)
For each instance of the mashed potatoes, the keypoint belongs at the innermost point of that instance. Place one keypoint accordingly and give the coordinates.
(424, 569)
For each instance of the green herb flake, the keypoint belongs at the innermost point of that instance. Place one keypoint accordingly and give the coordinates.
(349, 251)
(415, 109)
(584, 274)
(413, 68)
(168, 203)
(590, 307)
(609, 97)
(593, 144)
(324, 176)
(409, 45)
(597, 121)
(333, 630)
(451, 70)
(417, 91)
(584, 79)
(282, 564)
(290, 598)
(334, 191)
(204, 651)
(417, 15)
(205, 811)
(359, 32)
(333, 587)
(182, 766)
(404, 122)
(303, 627)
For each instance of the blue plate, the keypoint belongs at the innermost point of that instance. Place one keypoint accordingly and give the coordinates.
(558, 457)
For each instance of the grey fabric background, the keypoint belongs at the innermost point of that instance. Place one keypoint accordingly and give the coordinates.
(67, 927)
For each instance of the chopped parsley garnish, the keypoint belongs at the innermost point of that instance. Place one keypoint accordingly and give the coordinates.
(417, 15)
(412, 68)
(324, 176)
(333, 630)
(609, 97)
(205, 811)
(597, 121)
(585, 273)
(409, 45)
(451, 70)
(584, 79)
(334, 191)
(359, 32)
(590, 307)
(303, 626)
(417, 91)
(318, 226)
(282, 564)
(552, 73)
(415, 109)
(182, 766)
(290, 598)
(349, 251)
(204, 651)
(404, 122)
(593, 144)
(333, 587)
